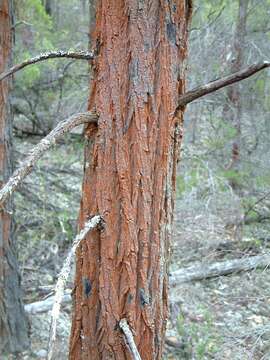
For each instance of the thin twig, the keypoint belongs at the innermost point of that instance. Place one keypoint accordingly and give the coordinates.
(123, 324)
(62, 279)
(215, 85)
(79, 55)
(28, 164)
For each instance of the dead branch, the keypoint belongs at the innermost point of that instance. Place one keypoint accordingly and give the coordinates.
(123, 324)
(206, 271)
(215, 85)
(62, 279)
(79, 55)
(28, 164)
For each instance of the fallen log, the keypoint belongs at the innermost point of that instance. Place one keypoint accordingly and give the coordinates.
(41, 306)
(205, 271)
(192, 273)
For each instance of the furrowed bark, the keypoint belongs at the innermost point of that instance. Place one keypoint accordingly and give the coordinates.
(79, 55)
(201, 272)
(13, 322)
(130, 173)
(27, 166)
(215, 85)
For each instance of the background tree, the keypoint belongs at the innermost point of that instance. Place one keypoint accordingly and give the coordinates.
(233, 109)
(13, 322)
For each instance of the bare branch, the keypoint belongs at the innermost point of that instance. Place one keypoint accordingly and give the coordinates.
(28, 164)
(62, 279)
(123, 324)
(80, 55)
(215, 85)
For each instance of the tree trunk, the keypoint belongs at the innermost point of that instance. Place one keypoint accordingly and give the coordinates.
(48, 6)
(233, 109)
(13, 324)
(129, 177)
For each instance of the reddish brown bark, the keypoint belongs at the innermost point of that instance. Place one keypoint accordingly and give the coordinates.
(13, 325)
(130, 167)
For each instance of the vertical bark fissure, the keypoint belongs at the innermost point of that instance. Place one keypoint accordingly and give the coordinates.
(13, 323)
(130, 178)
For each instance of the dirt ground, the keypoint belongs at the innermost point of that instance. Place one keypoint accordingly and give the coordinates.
(220, 318)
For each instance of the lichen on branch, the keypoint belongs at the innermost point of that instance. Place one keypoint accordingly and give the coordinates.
(79, 55)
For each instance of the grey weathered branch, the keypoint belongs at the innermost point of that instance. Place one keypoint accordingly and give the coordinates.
(123, 324)
(62, 279)
(201, 272)
(79, 55)
(215, 85)
(28, 164)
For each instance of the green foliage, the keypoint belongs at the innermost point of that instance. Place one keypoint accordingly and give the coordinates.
(211, 9)
(239, 177)
(63, 225)
(33, 35)
(199, 338)
(40, 24)
(187, 183)
(263, 180)
(260, 85)
(248, 202)
(30, 75)
(224, 132)
(232, 175)
(49, 91)
(34, 12)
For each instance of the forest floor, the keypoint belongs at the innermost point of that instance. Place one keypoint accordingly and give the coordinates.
(220, 318)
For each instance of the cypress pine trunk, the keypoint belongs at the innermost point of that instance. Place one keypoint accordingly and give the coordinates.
(129, 177)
